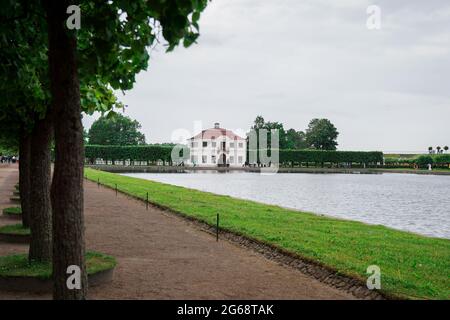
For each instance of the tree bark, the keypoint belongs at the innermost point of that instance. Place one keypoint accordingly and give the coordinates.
(24, 177)
(40, 175)
(67, 185)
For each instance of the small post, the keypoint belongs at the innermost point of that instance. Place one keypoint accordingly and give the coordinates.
(116, 189)
(146, 203)
(98, 182)
(217, 228)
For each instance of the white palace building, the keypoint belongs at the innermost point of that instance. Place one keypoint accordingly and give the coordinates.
(217, 147)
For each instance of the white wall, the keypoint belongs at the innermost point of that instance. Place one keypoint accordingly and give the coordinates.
(233, 154)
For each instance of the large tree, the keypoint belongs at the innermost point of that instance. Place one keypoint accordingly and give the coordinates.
(289, 139)
(260, 123)
(24, 91)
(107, 52)
(25, 117)
(322, 134)
(113, 44)
(296, 139)
(116, 130)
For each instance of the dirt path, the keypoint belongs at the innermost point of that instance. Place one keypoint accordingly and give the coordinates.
(161, 256)
(9, 176)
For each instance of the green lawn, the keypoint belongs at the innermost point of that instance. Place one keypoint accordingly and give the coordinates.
(18, 265)
(15, 229)
(412, 266)
(12, 211)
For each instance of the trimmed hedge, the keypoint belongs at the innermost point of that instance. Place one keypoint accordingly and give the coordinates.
(421, 161)
(133, 153)
(163, 153)
(324, 156)
(317, 156)
(442, 159)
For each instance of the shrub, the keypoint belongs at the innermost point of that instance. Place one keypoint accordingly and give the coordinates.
(424, 161)
(442, 159)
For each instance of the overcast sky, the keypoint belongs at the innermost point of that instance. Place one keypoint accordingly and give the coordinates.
(294, 60)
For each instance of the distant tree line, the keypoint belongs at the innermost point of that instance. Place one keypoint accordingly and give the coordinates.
(116, 129)
(321, 134)
(119, 130)
(117, 138)
(438, 150)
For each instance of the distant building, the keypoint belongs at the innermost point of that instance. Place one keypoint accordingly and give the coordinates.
(217, 147)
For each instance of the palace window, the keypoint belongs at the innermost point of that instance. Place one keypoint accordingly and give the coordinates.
(231, 144)
(231, 159)
(213, 159)
(205, 143)
(241, 145)
(204, 159)
(240, 159)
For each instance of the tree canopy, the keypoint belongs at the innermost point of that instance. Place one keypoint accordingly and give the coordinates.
(322, 134)
(296, 139)
(50, 72)
(318, 135)
(117, 130)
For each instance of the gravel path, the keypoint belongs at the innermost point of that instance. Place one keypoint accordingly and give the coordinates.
(161, 256)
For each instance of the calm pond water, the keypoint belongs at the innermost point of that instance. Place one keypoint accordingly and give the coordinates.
(417, 203)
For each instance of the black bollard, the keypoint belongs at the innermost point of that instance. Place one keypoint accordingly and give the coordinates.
(217, 228)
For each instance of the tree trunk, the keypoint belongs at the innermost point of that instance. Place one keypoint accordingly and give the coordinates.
(67, 185)
(24, 177)
(40, 176)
